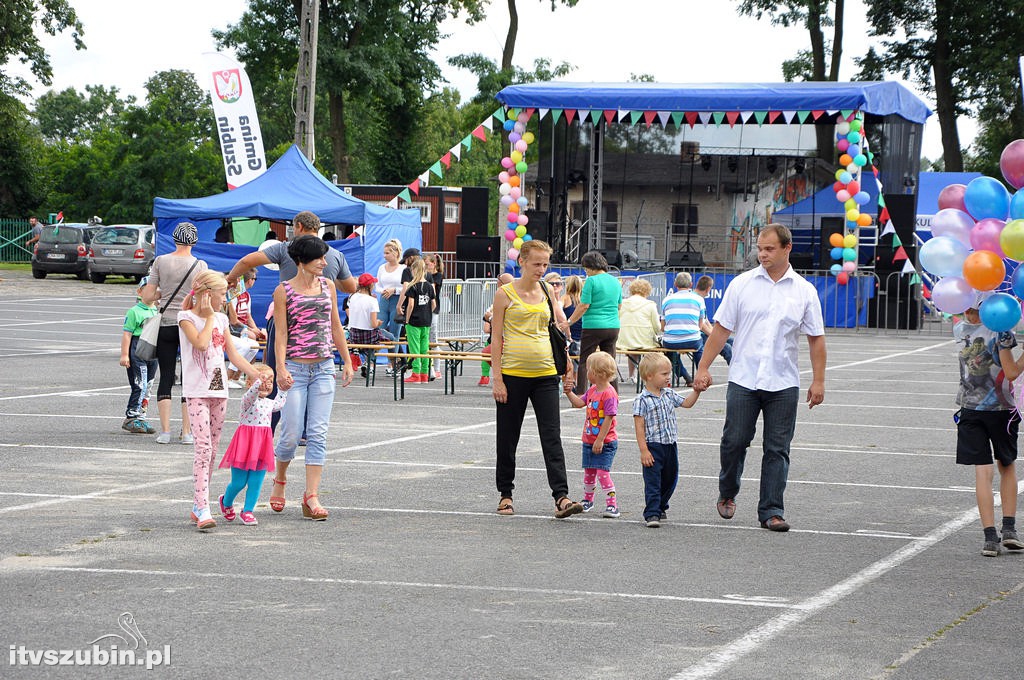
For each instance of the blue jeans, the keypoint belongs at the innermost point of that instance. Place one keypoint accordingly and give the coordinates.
(387, 310)
(660, 479)
(678, 363)
(140, 376)
(311, 396)
(726, 352)
(742, 407)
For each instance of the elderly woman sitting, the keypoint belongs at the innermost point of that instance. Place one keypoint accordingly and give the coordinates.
(639, 323)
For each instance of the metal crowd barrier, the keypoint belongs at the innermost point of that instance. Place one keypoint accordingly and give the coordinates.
(461, 309)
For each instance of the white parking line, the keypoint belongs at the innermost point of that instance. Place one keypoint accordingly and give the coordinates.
(736, 650)
(464, 587)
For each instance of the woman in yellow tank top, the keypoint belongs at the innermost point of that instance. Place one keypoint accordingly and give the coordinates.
(523, 370)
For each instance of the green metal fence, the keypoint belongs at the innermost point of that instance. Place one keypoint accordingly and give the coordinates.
(13, 234)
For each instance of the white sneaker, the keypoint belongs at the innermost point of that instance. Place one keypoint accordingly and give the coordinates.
(204, 520)
(186, 438)
(163, 438)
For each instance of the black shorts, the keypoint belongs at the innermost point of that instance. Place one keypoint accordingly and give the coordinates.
(980, 435)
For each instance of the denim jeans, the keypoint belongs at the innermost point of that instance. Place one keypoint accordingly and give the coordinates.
(310, 398)
(544, 394)
(726, 352)
(387, 309)
(140, 377)
(660, 479)
(678, 362)
(742, 407)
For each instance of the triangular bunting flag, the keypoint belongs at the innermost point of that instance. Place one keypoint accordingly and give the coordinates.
(718, 116)
(900, 254)
(889, 229)
(635, 116)
(773, 116)
(467, 142)
(609, 116)
(802, 116)
(489, 124)
(691, 118)
(393, 203)
(499, 114)
(456, 151)
(480, 133)
(817, 114)
(447, 159)
(745, 116)
(404, 195)
(896, 241)
(664, 117)
(732, 117)
(677, 117)
(555, 115)
(436, 169)
(759, 116)
(916, 278)
(847, 113)
(529, 113)
(569, 115)
(883, 216)
(543, 113)
(705, 117)
(788, 116)
(414, 187)
(425, 178)
(649, 117)
(908, 267)
(595, 116)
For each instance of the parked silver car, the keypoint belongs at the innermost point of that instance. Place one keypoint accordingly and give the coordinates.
(120, 250)
(62, 249)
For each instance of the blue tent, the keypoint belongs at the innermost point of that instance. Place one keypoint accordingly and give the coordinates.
(879, 98)
(288, 187)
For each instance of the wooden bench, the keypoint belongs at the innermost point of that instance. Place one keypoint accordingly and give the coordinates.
(452, 363)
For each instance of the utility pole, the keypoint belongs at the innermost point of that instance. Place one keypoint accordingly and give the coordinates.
(305, 77)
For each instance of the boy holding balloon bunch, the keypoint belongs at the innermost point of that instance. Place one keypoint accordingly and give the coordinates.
(987, 422)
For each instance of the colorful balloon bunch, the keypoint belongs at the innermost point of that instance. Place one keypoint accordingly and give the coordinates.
(977, 237)
(511, 187)
(852, 145)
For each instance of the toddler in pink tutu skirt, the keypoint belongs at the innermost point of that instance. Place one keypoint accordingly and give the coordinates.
(251, 451)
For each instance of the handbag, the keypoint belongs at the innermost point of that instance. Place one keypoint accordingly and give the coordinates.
(557, 337)
(145, 346)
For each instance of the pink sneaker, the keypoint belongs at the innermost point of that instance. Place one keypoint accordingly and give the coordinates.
(227, 510)
(248, 518)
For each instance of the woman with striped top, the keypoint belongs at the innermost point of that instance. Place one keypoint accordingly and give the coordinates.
(308, 331)
(523, 370)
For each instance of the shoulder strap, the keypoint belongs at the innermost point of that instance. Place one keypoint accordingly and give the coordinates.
(551, 309)
(180, 284)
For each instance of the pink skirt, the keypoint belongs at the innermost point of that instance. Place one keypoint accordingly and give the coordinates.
(252, 448)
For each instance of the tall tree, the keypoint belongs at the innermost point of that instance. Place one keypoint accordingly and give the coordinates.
(821, 62)
(508, 51)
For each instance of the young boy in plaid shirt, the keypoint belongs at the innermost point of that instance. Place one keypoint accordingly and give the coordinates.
(654, 421)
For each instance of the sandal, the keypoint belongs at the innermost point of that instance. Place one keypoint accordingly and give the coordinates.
(564, 507)
(317, 514)
(505, 506)
(277, 502)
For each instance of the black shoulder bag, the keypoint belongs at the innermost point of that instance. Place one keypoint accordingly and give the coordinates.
(557, 337)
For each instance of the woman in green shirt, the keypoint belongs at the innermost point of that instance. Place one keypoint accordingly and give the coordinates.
(599, 309)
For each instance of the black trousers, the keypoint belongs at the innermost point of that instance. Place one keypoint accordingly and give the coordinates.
(167, 344)
(592, 340)
(544, 394)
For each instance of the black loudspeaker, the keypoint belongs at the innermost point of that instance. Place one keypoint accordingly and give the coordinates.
(801, 261)
(538, 226)
(903, 213)
(477, 270)
(614, 257)
(474, 210)
(829, 226)
(685, 259)
(477, 248)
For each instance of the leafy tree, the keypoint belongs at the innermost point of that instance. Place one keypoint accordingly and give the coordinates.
(18, 38)
(68, 115)
(21, 179)
(508, 51)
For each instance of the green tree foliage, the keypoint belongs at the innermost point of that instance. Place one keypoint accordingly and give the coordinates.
(21, 147)
(508, 52)
(963, 51)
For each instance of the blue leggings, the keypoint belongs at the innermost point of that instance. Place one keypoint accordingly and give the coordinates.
(251, 481)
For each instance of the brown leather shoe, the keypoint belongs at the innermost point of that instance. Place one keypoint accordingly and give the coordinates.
(775, 523)
(726, 507)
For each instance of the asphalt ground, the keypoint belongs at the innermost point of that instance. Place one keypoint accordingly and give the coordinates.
(415, 576)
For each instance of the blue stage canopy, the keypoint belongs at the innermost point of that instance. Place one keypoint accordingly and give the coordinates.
(879, 98)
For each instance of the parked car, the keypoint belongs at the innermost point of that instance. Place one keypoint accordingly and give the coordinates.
(120, 250)
(62, 249)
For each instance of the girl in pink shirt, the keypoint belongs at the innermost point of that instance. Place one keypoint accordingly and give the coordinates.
(600, 441)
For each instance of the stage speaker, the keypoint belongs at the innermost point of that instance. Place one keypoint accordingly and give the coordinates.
(685, 259)
(801, 261)
(613, 256)
(477, 248)
(903, 212)
(538, 226)
(474, 211)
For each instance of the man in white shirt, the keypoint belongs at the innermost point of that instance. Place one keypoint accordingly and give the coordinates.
(768, 308)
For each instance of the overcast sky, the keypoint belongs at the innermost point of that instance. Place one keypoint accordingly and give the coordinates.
(680, 41)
